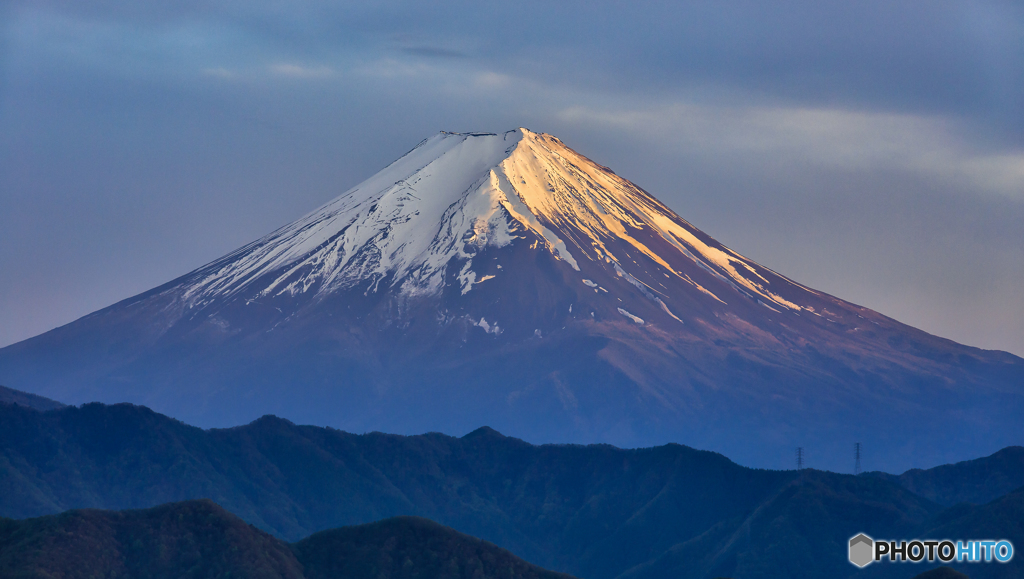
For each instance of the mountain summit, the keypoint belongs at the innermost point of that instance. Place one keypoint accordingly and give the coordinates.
(455, 196)
(505, 279)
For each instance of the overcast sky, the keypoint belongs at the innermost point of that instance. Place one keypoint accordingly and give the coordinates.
(871, 149)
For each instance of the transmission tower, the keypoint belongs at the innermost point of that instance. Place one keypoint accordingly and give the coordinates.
(856, 456)
(800, 458)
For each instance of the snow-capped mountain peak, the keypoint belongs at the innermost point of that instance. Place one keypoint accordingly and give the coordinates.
(457, 193)
(505, 279)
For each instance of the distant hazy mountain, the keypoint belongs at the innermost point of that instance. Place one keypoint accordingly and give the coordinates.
(595, 511)
(971, 481)
(508, 280)
(198, 539)
(11, 396)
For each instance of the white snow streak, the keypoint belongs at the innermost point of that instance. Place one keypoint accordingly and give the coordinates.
(635, 319)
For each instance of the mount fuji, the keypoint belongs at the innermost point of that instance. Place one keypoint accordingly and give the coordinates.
(506, 280)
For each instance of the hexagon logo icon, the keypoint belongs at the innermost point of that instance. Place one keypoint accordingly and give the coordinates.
(861, 550)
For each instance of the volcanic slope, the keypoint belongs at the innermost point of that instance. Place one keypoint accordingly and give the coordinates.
(505, 279)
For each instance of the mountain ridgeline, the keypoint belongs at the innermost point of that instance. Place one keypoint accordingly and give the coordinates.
(197, 539)
(12, 396)
(506, 279)
(595, 511)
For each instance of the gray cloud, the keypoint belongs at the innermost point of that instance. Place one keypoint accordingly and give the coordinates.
(433, 52)
(870, 150)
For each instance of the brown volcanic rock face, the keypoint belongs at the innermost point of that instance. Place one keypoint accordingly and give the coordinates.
(507, 280)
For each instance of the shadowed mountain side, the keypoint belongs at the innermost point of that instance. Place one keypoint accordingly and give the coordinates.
(198, 539)
(1002, 518)
(594, 511)
(975, 481)
(588, 510)
(804, 529)
(941, 573)
(801, 531)
(193, 539)
(409, 548)
(12, 396)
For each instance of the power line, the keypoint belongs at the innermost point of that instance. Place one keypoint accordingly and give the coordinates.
(800, 458)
